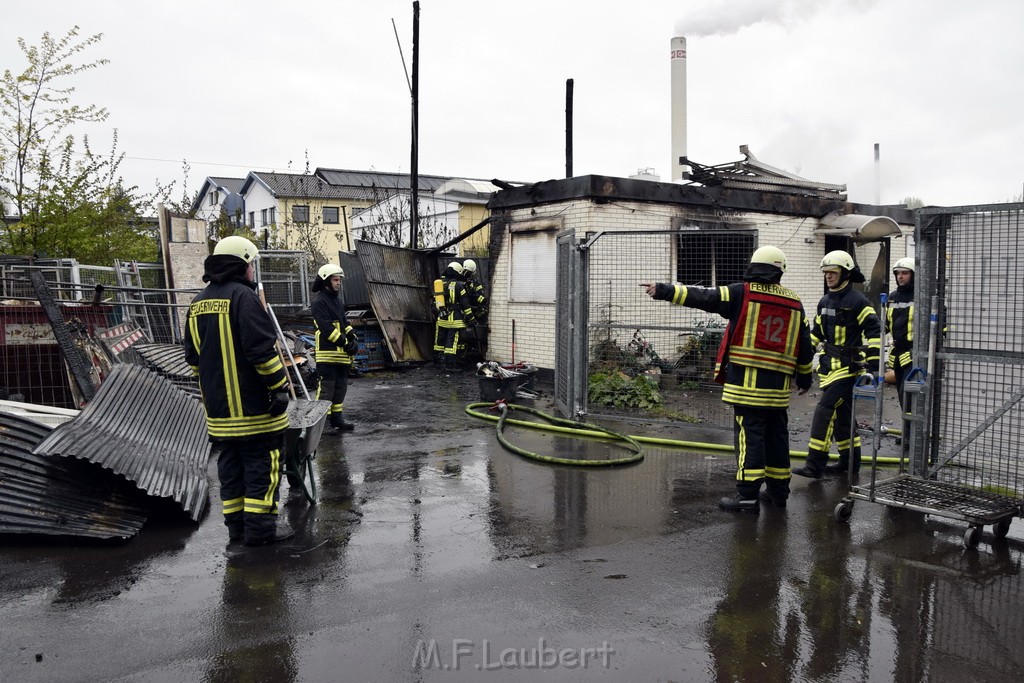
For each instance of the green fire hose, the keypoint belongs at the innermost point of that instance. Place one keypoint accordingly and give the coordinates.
(559, 425)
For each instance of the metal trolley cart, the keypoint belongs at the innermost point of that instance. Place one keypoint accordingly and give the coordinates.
(965, 421)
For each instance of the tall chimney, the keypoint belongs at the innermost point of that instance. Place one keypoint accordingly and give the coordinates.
(678, 56)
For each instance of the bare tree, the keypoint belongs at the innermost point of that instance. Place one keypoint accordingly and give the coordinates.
(388, 219)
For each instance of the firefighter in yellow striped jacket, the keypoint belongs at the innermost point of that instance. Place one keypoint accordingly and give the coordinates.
(847, 328)
(765, 349)
(230, 345)
(900, 319)
(453, 318)
(336, 344)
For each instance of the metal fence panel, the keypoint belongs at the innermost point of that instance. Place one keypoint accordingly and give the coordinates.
(973, 266)
(666, 352)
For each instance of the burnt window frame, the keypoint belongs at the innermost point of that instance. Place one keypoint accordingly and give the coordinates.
(699, 249)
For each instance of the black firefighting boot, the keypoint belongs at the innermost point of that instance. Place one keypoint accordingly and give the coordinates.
(737, 503)
(337, 421)
(843, 465)
(814, 466)
(235, 525)
(264, 530)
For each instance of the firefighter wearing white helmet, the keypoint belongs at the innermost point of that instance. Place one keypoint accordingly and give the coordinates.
(847, 329)
(336, 344)
(475, 290)
(238, 246)
(230, 345)
(765, 351)
(454, 317)
(900, 321)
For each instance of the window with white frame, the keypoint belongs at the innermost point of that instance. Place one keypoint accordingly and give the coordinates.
(272, 215)
(532, 263)
(263, 217)
(213, 197)
(331, 215)
(300, 213)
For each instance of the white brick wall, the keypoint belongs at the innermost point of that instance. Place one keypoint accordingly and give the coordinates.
(619, 263)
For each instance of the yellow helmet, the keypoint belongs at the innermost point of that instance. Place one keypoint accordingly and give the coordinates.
(905, 263)
(328, 270)
(470, 265)
(773, 256)
(838, 259)
(235, 245)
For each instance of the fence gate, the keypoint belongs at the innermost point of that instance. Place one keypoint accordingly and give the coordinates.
(622, 355)
(570, 332)
(970, 266)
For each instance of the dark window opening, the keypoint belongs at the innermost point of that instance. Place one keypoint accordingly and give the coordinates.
(713, 258)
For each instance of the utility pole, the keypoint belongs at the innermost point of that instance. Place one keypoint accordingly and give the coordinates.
(414, 166)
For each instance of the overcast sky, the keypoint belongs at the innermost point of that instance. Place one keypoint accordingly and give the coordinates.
(809, 85)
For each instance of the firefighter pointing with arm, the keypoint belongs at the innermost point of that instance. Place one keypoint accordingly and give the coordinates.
(765, 349)
(230, 345)
(848, 331)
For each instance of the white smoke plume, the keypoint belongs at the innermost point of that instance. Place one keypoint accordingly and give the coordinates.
(721, 17)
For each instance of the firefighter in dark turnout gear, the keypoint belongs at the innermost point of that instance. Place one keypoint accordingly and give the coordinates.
(336, 344)
(475, 290)
(453, 318)
(900, 321)
(848, 330)
(230, 345)
(765, 347)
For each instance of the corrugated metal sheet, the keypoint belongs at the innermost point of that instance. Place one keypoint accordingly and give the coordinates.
(168, 360)
(54, 496)
(142, 427)
(398, 287)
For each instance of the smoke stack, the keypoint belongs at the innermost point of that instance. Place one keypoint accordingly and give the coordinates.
(678, 56)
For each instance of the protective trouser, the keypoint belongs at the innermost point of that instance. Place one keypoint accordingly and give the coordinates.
(901, 371)
(832, 419)
(762, 451)
(453, 344)
(333, 387)
(249, 472)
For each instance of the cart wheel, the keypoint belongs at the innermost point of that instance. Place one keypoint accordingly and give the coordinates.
(1002, 527)
(843, 511)
(972, 537)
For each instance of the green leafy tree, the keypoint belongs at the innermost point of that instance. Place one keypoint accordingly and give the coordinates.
(36, 108)
(81, 209)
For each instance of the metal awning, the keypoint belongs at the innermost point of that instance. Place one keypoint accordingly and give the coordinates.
(859, 227)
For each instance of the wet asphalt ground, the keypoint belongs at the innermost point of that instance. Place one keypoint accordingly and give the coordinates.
(434, 554)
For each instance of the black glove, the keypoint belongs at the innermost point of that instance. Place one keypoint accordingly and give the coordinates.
(351, 345)
(279, 403)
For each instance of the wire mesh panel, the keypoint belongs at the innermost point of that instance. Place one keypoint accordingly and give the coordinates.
(285, 278)
(651, 359)
(971, 410)
(979, 402)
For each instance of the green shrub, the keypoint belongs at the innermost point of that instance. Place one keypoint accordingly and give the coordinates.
(619, 390)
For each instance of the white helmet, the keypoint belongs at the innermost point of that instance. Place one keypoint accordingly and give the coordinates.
(235, 245)
(838, 259)
(905, 263)
(456, 266)
(328, 270)
(773, 256)
(470, 265)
